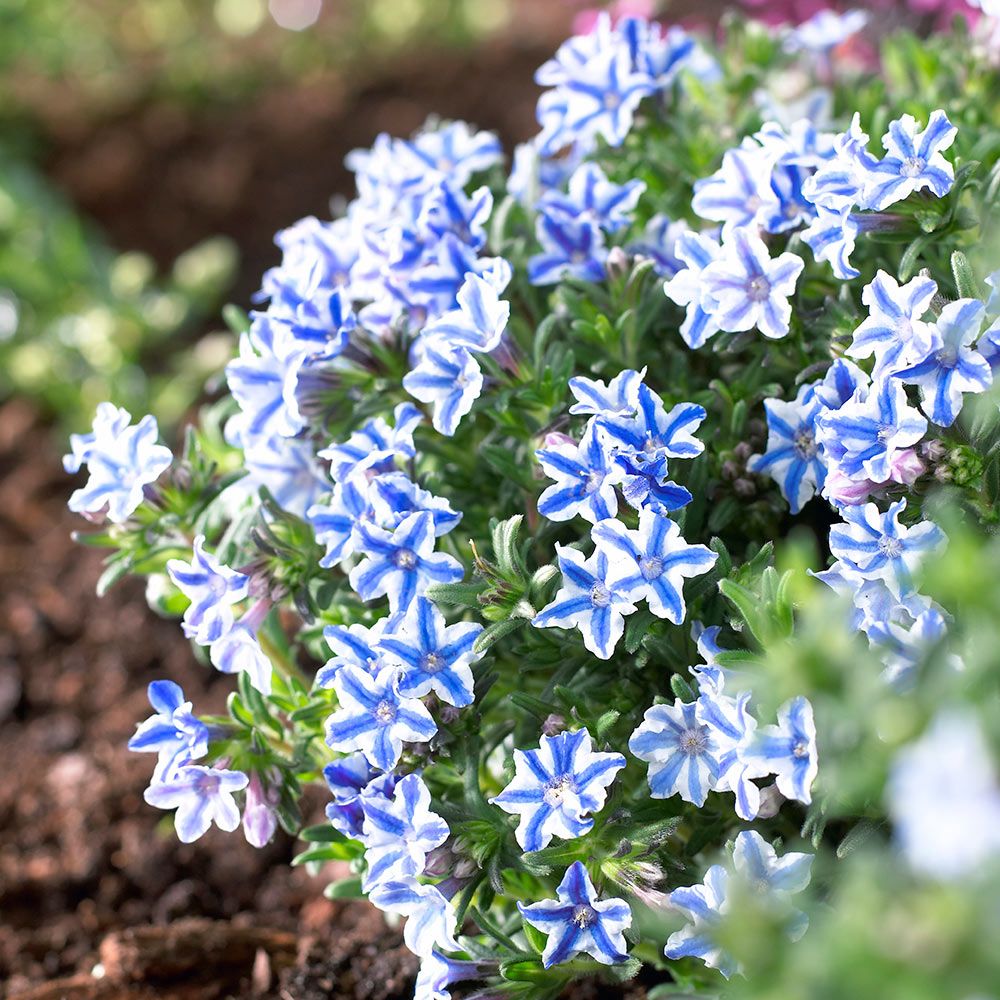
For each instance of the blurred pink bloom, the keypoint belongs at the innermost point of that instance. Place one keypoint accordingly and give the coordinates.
(586, 20)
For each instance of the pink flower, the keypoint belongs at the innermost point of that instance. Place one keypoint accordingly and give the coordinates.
(586, 20)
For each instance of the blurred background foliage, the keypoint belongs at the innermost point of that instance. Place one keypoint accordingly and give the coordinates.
(80, 322)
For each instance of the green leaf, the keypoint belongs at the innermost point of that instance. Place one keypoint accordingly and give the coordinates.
(965, 280)
(347, 888)
(495, 632)
(322, 833)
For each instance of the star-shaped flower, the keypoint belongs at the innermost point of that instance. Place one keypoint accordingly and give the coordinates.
(479, 322)
(174, 732)
(684, 758)
(350, 779)
(877, 547)
(788, 750)
(200, 795)
(212, 589)
(704, 905)
(400, 832)
(334, 521)
(951, 367)
(864, 436)
(401, 563)
(578, 921)
(739, 193)
(653, 433)
(592, 196)
(687, 287)
(431, 918)
(448, 377)
(619, 395)
(748, 288)
(586, 602)
(121, 461)
(434, 657)
(352, 645)
(556, 787)
(793, 458)
(915, 161)
(656, 562)
(585, 476)
(571, 248)
(376, 445)
(374, 718)
(393, 495)
(894, 330)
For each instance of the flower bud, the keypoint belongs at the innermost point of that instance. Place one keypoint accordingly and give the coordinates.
(259, 817)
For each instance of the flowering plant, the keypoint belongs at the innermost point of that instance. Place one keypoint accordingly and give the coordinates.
(496, 527)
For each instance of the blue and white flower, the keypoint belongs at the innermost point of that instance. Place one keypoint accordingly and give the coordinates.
(658, 244)
(201, 795)
(877, 547)
(375, 446)
(212, 589)
(239, 651)
(557, 788)
(401, 563)
(174, 732)
(578, 921)
(788, 750)
(375, 718)
(334, 522)
(869, 431)
(571, 248)
(915, 161)
(585, 477)
(758, 862)
(747, 288)
(352, 645)
(121, 460)
(479, 322)
(620, 395)
(430, 917)
(687, 287)
(350, 779)
(593, 197)
(656, 562)
(394, 495)
(587, 602)
(739, 193)
(894, 330)
(653, 433)
(951, 367)
(399, 832)
(793, 458)
(683, 755)
(433, 656)
(448, 377)
(704, 905)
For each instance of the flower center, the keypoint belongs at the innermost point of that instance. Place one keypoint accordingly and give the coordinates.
(805, 443)
(612, 101)
(693, 741)
(558, 788)
(208, 784)
(431, 663)
(583, 915)
(592, 481)
(885, 431)
(912, 166)
(800, 749)
(947, 357)
(758, 289)
(385, 712)
(217, 585)
(600, 596)
(650, 567)
(890, 547)
(405, 558)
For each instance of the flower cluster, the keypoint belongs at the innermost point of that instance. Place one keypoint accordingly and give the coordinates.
(518, 756)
